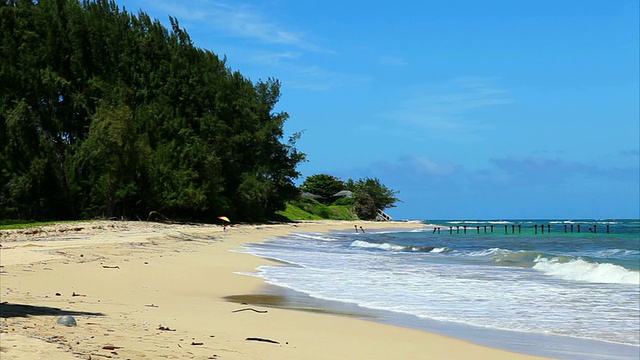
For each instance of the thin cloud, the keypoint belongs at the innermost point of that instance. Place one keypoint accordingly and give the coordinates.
(247, 35)
(313, 77)
(427, 166)
(448, 107)
(630, 153)
(552, 170)
(392, 61)
(234, 19)
(272, 58)
(417, 169)
(507, 172)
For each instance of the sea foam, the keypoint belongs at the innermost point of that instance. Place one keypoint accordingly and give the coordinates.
(383, 246)
(396, 247)
(581, 270)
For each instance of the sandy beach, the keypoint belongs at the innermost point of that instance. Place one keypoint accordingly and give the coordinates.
(143, 290)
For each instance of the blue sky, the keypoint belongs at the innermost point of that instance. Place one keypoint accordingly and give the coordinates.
(494, 109)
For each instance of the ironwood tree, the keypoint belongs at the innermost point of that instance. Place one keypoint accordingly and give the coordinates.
(105, 113)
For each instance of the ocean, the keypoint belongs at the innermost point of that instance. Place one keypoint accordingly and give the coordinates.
(533, 286)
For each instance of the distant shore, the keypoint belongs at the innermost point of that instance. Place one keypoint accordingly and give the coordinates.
(150, 290)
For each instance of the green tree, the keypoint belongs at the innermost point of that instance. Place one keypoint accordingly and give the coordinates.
(324, 185)
(370, 196)
(107, 113)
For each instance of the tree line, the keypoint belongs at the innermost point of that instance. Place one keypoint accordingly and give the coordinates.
(105, 113)
(368, 195)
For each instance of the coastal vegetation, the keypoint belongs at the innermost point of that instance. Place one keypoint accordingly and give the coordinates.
(311, 209)
(109, 114)
(363, 197)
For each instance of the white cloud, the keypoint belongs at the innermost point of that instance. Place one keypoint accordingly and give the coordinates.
(424, 164)
(236, 20)
(417, 167)
(448, 107)
(249, 35)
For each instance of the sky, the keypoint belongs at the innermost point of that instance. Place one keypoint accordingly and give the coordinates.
(494, 109)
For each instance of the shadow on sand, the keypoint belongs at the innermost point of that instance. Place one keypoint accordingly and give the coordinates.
(8, 310)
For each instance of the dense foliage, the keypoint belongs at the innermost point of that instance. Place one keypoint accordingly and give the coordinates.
(369, 194)
(324, 185)
(107, 113)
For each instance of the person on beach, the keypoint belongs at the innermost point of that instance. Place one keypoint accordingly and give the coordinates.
(356, 227)
(361, 229)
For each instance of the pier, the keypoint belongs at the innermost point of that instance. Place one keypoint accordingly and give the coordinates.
(536, 229)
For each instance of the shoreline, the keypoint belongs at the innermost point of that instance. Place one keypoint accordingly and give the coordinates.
(279, 295)
(274, 296)
(147, 290)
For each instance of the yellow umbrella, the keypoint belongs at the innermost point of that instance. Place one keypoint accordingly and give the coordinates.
(224, 218)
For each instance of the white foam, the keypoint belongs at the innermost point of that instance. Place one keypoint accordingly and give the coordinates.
(581, 270)
(383, 246)
(319, 236)
(462, 289)
(488, 252)
(617, 253)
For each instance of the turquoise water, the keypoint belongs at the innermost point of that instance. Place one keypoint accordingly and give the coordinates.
(575, 291)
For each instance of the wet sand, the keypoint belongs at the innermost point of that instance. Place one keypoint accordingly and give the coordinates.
(143, 290)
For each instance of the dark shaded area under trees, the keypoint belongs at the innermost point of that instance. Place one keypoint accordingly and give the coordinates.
(109, 114)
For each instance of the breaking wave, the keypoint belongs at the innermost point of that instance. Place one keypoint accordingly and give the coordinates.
(396, 247)
(582, 270)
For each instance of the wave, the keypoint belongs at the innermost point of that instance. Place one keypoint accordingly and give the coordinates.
(248, 249)
(581, 270)
(585, 222)
(486, 252)
(315, 236)
(396, 247)
(617, 253)
(522, 257)
(505, 257)
(476, 222)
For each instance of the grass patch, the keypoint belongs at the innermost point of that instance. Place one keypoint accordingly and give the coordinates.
(9, 224)
(309, 209)
(293, 212)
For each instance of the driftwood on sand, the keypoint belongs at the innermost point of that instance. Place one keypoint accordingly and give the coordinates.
(262, 340)
(250, 309)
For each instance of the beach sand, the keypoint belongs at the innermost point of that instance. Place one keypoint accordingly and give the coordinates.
(142, 290)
